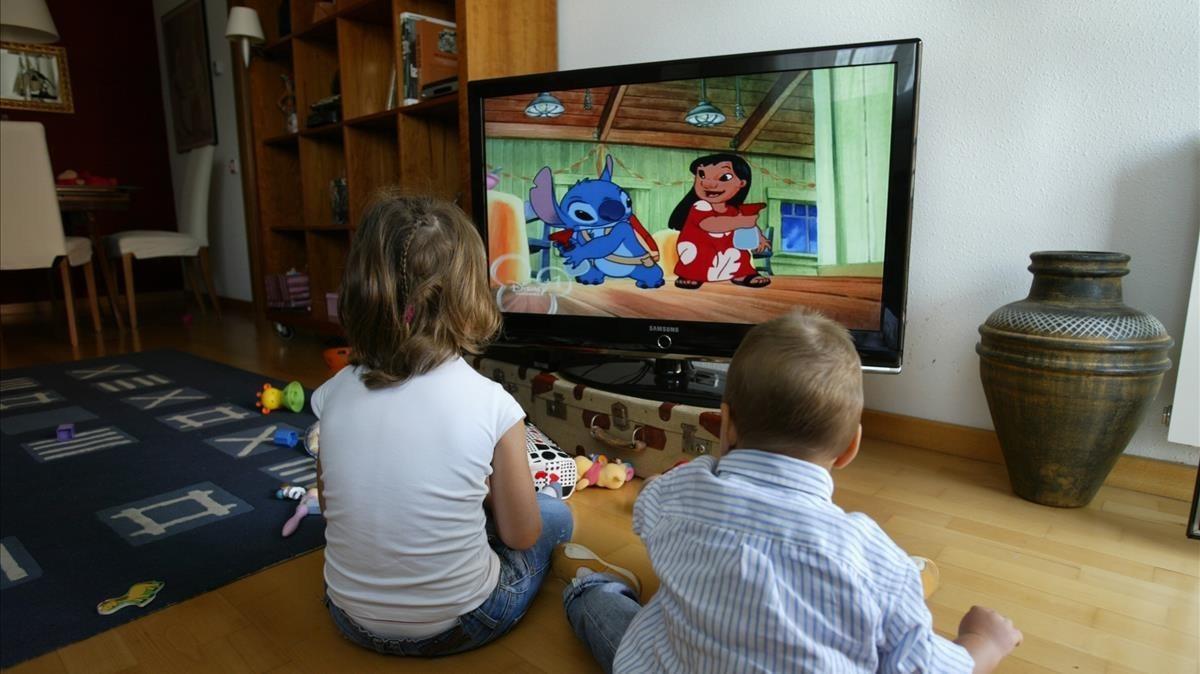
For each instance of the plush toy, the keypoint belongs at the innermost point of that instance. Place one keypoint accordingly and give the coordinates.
(598, 470)
(290, 396)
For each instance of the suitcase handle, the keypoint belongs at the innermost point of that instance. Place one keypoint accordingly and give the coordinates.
(614, 442)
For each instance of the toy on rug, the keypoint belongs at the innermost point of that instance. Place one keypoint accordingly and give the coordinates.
(138, 595)
(65, 432)
(552, 469)
(312, 439)
(290, 396)
(599, 471)
(286, 438)
(309, 504)
(290, 492)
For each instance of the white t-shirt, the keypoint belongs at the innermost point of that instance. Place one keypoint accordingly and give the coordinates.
(403, 470)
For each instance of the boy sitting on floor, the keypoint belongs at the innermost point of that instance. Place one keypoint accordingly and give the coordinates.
(759, 569)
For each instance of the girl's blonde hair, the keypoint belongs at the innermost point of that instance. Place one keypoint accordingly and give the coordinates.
(415, 292)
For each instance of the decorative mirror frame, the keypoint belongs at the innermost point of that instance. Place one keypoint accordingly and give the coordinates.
(65, 103)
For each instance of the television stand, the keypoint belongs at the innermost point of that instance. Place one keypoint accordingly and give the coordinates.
(675, 380)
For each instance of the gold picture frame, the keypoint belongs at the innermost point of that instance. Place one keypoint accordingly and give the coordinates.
(35, 77)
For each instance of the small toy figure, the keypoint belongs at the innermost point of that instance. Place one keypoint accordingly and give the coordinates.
(598, 470)
(271, 398)
(65, 432)
(309, 505)
(286, 438)
(139, 595)
(290, 492)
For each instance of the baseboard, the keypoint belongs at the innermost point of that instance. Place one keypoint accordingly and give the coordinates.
(1150, 476)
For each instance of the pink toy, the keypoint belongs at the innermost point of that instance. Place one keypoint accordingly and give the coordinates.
(308, 505)
(598, 470)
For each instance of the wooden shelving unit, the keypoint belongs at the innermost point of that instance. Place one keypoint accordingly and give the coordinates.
(420, 147)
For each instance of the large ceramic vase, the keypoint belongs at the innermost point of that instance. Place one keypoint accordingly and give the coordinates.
(1069, 372)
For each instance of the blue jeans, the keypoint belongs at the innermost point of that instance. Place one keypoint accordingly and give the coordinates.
(521, 574)
(600, 608)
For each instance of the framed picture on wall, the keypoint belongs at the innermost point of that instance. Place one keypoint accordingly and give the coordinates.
(185, 44)
(35, 77)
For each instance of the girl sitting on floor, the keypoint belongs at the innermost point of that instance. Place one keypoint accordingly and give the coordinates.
(417, 447)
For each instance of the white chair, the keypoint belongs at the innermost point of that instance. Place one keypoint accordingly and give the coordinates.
(190, 242)
(31, 231)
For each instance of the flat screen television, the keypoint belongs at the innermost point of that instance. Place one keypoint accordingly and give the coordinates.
(665, 208)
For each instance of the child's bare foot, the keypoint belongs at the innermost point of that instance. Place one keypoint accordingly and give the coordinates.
(988, 637)
(572, 560)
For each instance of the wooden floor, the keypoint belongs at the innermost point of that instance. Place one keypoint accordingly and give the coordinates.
(853, 301)
(1109, 588)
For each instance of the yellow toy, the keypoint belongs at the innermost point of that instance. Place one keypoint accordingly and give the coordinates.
(598, 470)
(290, 396)
(139, 594)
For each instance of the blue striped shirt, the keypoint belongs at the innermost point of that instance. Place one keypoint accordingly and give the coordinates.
(760, 572)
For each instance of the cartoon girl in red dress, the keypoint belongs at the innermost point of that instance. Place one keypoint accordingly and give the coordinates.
(708, 219)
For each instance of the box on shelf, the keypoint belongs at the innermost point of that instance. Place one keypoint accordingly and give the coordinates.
(288, 291)
(429, 51)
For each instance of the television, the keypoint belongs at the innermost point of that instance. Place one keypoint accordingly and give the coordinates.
(663, 209)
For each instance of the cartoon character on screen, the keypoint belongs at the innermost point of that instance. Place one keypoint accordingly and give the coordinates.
(600, 237)
(717, 230)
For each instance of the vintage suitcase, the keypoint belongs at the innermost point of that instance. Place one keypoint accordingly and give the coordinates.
(652, 435)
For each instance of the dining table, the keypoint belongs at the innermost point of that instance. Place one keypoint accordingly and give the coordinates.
(81, 203)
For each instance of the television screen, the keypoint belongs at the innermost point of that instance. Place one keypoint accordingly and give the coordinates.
(722, 197)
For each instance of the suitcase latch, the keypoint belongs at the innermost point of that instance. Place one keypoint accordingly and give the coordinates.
(556, 407)
(620, 416)
(692, 444)
(499, 378)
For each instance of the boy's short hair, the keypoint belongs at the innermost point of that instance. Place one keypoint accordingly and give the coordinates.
(795, 387)
(415, 291)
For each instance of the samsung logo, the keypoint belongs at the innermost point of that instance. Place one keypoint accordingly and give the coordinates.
(663, 328)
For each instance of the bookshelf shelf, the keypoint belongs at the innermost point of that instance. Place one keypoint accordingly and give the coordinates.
(417, 147)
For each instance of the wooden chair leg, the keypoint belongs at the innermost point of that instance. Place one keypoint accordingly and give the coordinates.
(64, 268)
(208, 280)
(127, 262)
(191, 272)
(89, 279)
(110, 284)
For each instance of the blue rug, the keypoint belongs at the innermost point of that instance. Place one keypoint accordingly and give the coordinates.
(170, 477)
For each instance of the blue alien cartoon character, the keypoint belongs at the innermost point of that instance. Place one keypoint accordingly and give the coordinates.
(600, 236)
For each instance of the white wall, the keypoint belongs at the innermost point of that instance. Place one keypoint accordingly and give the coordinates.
(227, 221)
(1043, 125)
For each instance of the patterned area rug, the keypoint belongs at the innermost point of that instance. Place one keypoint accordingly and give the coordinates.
(170, 476)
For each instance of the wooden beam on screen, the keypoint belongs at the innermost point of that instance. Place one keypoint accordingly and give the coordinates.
(667, 139)
(609, 115)
(540, 131)
(784, 85)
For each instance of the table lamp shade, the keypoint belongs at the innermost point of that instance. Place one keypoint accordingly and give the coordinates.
(26, 21)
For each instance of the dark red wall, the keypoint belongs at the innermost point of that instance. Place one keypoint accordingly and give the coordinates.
(118, 127)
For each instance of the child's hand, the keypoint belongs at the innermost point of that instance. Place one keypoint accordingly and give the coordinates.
(988, 637)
